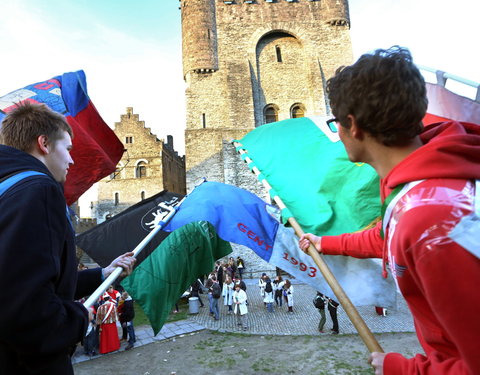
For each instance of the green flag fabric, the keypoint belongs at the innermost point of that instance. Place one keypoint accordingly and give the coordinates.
(161, 279)
(307, 166)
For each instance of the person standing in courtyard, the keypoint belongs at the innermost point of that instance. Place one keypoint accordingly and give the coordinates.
(241, 309)
(196, 289)
(208, 285)
(268, 299)
(278, 287)
(227, 293)
(429, 186)
(240, 266)
(319, 302)
(126, 317)
(41, 324)
(216, 294)
(332, 310)
(288, 293)
(107, 321)
(261, 284)
(219, 273)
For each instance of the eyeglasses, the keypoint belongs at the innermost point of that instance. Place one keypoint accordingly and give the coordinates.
(332, 124)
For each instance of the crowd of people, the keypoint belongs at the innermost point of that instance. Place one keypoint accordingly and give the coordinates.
(226, 282)
(113, 309)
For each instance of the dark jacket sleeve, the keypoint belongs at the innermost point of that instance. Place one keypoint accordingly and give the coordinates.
(88, 281)
(38, 273)
(128, 312)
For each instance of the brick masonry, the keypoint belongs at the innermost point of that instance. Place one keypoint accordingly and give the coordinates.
(164, 168)
(240, 57)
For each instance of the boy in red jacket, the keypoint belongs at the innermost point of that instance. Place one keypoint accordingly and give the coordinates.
(431, 206)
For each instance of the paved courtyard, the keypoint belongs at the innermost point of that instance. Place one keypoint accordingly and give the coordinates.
(303, 321)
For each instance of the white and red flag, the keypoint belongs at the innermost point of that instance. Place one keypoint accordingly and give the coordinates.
(444, 105)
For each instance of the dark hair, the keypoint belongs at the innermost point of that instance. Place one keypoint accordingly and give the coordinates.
(386, 94)
(27, 121)
(268, 286)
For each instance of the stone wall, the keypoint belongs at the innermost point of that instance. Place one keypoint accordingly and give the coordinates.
(241, 56)
(312, 38)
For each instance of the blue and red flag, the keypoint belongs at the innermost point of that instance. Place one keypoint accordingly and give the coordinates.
(96, 149)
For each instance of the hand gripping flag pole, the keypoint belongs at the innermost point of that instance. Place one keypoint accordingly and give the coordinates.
(353, 314)
(116, 273)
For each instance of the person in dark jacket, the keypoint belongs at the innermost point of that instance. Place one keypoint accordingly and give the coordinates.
(196, 290)
(332, 309)
(126, 314)
(40, 324)
(219, 273)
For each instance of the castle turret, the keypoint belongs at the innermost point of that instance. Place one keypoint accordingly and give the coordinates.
(336, 12)
(247, 63)
(199, 36)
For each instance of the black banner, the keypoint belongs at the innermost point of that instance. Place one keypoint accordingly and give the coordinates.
(125, 231)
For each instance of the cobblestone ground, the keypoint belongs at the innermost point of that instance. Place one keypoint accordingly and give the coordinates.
(304, 320)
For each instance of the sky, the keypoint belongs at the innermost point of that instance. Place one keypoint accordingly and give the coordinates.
(131, 51)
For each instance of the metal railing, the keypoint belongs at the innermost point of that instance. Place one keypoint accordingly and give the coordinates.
(443, 76)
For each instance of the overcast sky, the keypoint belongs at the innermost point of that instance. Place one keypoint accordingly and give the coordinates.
(131, 50)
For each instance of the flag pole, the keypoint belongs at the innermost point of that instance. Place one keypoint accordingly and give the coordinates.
(116, 273)
(353, 314)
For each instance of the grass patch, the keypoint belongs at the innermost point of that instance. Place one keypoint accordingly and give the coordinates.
(141, 319)
(182, 314)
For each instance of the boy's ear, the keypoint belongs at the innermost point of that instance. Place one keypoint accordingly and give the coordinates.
(42, 144)
(355, 130)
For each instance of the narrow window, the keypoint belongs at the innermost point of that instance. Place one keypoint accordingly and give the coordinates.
(279, 53)
(128, 139)
(204, 121)
(209, 34)
(117, 199)
(141, 170)
(297, 111)
(271, 114)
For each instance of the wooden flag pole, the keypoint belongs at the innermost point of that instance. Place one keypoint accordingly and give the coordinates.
(353, 314)
(359, 324)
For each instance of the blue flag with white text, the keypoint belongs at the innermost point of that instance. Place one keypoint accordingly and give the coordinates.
(238, 216)
(241, 217)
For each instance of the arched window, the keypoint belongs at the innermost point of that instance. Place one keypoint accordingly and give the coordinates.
(142, 195)
(117, 199)
(141, 169)
(270, 113)
(278, 51)
(297, 111)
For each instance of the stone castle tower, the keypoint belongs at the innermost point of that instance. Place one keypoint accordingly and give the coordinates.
(250, 62)
(148, 166)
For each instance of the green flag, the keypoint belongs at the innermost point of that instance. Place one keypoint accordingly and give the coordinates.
(160, 280)
(308, 167)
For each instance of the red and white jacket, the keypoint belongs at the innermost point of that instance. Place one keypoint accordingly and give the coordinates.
(432, 247)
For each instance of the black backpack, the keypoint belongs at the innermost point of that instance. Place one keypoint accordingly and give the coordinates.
(268, 287)
(216, 290)
(318, 302)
